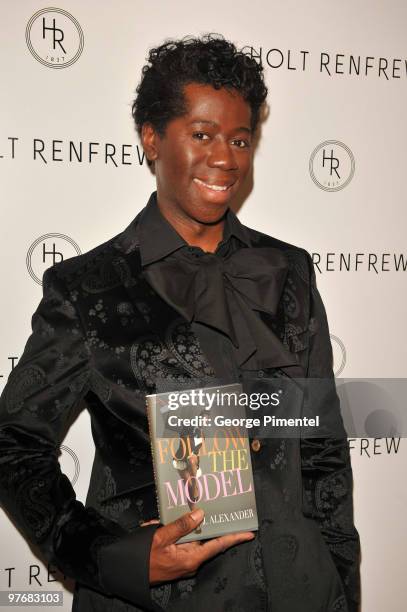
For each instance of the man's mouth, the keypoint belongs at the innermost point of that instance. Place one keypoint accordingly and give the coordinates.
(214, 186)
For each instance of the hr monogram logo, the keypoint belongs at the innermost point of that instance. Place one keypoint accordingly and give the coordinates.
(332, 165)
(339, 354)
(54, 37)
(70, 463)
(48, 250)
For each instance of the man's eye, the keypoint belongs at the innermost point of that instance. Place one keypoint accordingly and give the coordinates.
(199, 135)
(243, 144)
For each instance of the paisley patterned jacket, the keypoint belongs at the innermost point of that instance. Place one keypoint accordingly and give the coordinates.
(101, 334)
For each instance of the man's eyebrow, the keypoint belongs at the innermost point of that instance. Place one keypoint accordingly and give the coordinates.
(242, 128)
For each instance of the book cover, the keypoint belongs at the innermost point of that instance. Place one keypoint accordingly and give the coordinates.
(201, 459)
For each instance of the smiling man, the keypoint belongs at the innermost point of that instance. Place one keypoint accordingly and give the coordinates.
(202, 161)
(185, 293)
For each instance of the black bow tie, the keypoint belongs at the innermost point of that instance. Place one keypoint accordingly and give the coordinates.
(223, 293)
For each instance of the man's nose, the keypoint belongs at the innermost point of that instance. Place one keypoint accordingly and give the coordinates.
(222, 156)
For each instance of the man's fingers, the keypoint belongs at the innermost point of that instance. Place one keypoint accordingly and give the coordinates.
(186, 523)
(213, 547)
(153, 521)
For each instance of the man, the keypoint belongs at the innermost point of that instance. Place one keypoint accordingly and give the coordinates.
(185, 292)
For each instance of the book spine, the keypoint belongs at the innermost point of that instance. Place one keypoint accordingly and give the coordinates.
(152, 432)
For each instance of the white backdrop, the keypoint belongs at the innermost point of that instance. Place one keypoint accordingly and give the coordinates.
(311, 51)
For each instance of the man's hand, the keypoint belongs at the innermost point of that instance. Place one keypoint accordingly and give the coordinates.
(169, 560)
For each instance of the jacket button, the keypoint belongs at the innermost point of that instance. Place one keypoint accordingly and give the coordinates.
(256, 445)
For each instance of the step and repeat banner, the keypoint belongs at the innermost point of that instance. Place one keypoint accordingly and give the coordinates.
(329, 177)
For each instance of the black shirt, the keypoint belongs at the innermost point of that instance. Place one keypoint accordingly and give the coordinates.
(229, 326)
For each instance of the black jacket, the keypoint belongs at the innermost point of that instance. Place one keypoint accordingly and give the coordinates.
(102, 334)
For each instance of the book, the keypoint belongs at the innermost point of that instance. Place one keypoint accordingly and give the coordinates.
(199, 462)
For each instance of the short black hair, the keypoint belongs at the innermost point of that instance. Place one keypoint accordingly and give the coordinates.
(209, 59)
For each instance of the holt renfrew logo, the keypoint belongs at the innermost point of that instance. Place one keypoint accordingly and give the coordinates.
(49, 150)
(54, 37)
(332, 165)
(362, 261)
(329, 63)
(46, 251)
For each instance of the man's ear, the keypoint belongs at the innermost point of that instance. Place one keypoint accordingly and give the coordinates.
(149, 139)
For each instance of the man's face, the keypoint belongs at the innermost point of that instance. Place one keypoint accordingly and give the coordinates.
(203, 159)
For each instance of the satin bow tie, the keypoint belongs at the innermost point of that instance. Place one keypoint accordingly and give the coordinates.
(223, 293)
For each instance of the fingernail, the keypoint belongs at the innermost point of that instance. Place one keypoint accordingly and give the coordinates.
(197, 515)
